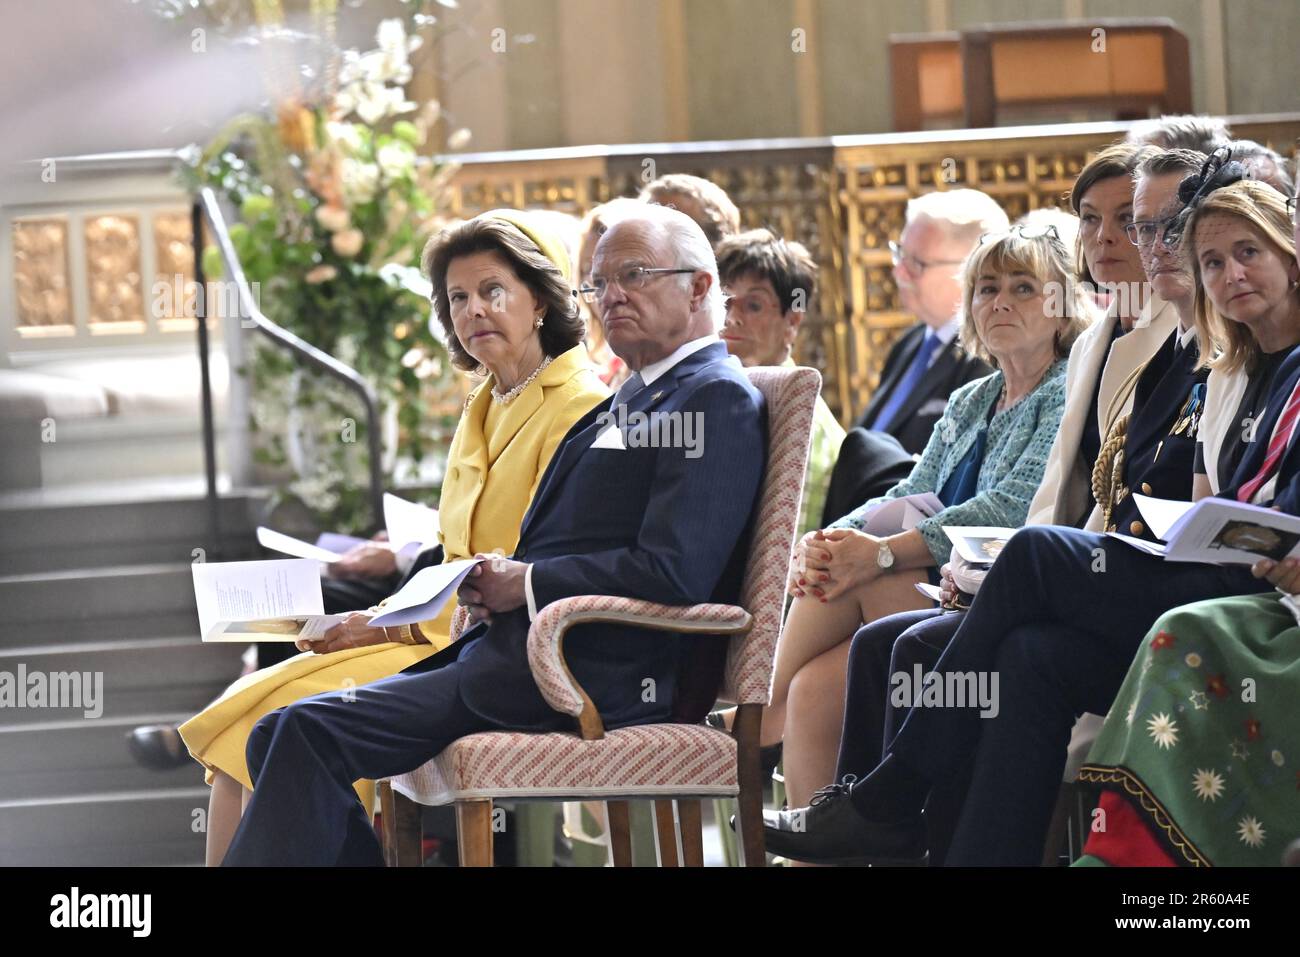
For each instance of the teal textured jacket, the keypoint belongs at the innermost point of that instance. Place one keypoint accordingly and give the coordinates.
(1015, 454)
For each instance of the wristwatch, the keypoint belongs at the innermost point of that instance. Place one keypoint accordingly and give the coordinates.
(884, 555)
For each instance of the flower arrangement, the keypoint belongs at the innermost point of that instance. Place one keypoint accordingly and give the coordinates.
(335, 205)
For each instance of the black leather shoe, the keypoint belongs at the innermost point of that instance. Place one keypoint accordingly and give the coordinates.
(832, 831)
(157, 746)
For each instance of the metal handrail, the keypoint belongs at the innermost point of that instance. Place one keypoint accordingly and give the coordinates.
(206, 207)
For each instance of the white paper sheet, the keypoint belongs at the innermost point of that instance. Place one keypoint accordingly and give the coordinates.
(342, 544)
(930, 591)
(901, 514)
(288, 545)
(979, 544)
(1161, 514)
(409, 522)
(1141, 544)
(273, 600)
(424, 596)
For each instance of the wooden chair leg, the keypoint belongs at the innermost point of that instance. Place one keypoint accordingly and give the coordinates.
(666, 833)
(400, 834)
(692, 833)
(388, 814)
(403, 834)
(749, 804)
(620, 833)
(474, 832)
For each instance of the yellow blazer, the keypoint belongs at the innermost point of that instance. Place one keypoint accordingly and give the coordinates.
(493, 474)
(491, 478)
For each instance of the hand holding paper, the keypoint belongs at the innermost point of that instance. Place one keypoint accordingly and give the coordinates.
(424, 596)
(277, 600)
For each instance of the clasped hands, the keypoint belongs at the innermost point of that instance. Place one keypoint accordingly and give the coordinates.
(831, 562)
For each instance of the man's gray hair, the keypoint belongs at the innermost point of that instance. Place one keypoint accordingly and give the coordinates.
(691, 246)
(964, 214)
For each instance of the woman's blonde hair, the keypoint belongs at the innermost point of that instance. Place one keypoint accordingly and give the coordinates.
(1227, 345)
(1040, 254)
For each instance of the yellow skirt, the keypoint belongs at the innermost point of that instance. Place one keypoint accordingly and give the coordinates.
(218, 735)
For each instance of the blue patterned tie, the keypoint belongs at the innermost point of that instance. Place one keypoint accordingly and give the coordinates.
(631, 387)
(911, 379)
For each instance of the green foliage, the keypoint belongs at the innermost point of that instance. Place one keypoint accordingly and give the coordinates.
(325, 202)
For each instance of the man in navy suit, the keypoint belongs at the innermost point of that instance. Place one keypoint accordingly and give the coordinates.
(616, 513)
(1058, 620)
(927, 362)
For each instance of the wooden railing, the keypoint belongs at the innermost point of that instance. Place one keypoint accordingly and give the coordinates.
(844, 197)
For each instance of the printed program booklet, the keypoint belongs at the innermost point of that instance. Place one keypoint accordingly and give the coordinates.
(275, 600)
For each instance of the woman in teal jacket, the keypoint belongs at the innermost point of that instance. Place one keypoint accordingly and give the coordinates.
(984, 461)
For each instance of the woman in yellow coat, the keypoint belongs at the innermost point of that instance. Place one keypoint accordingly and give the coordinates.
(503, 295)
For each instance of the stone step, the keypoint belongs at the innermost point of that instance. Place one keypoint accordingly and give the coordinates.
(47, 534)
(61, 758)
(114, 679)
(148, 826)
(80, 594)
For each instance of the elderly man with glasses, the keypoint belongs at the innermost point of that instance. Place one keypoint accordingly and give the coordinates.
(927, 362)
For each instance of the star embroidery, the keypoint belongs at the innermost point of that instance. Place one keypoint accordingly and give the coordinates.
(1162, 640)
(1163, 731)
(1208, 785)
(1252, 730)
(1239, 750)
(1217, 686)
(1250, 832)
(1200, 700)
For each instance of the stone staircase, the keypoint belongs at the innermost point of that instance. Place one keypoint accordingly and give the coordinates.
(98, 580)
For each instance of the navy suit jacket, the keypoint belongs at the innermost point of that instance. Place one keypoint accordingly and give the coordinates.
(1159, 447)
(1286, 495)
(641, 522)
(914, 422)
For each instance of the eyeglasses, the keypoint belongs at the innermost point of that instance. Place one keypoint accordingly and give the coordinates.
(1144, 232)
(628, 279)
(1024, 232)
(915, 264)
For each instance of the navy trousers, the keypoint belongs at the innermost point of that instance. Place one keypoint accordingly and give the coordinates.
(304, 758)
(886, 647)
(1057, 621)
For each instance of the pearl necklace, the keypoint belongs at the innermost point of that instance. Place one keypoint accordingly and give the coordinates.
(505, 398)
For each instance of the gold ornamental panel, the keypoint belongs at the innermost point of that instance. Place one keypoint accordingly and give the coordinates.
(113, 274)
(172, 292)
(41, 277)
(845, 199)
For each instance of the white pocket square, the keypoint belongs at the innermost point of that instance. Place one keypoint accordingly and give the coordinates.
(933, 407)
(611, 438)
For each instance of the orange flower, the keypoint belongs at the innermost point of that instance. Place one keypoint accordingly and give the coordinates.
(297, 127)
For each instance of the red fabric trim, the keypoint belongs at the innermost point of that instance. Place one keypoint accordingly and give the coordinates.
(1127, 840)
